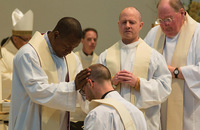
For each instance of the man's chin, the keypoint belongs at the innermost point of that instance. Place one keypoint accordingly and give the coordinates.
(170, 35)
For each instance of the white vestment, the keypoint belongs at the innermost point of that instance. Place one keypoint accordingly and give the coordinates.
(87, 60)
(191, 73)
(153, 91)
(31, 89)
(104, 117)
(8, 51)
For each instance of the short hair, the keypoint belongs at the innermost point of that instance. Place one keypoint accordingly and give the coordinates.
(99, 73)
(139, 14)
(175, 4)
(69, 26)
(89, 29)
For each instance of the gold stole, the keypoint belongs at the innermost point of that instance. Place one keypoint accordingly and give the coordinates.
(50, 116)
(140, 67)
(175, 100)
(119, 107)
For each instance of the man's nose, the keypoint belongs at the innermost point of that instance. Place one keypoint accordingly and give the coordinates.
(127, 24)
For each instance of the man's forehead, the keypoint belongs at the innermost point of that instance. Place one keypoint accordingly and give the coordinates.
(129, 15)
(126, 18)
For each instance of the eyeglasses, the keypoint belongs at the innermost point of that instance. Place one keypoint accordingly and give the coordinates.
(82, 92)
(162, 21)
(23, 39)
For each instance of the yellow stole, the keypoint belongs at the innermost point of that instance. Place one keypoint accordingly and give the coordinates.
(119, 107)
(140, 67)
(175, 100)
(50, 116)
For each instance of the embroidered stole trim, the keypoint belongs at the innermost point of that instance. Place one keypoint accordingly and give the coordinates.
(141, 63)
(120, 108)
(175, 100)
(50, 116)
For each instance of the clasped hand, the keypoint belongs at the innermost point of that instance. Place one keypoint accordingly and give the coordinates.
(124, 77)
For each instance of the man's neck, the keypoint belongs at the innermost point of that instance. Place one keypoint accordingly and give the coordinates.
(90, 53)
(129, 41)
(106, 94)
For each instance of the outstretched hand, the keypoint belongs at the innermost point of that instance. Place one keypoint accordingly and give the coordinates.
(81, 78)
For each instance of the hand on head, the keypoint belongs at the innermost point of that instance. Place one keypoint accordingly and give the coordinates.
(82, 78)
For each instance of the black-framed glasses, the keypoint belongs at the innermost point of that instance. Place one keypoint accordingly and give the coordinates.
(82, 92)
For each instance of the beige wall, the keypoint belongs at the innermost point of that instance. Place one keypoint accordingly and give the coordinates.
(100, 14)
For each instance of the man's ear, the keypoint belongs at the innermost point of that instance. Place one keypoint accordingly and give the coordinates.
(182, 12)
(91, 83)
(141, 25)
(56, 34)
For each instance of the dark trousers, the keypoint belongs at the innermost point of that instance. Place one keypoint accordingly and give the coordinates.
(79, 125)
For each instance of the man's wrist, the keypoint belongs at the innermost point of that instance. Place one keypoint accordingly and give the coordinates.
(112, 81)
(176, 72)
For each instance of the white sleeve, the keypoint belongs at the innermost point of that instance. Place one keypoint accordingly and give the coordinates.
(150, 37)
(157, 87)
(191, 72)
(61, 96)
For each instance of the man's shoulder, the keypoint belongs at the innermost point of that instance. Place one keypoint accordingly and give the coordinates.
(154, 29)
(95, 56)
(151, 34)
(115, 44)
(153, 50)
(7, 47)
(77, 52)
(72, 55)
(26, 49)
(103, 111)
(99, 111)
(103, 54)
(117, 97)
